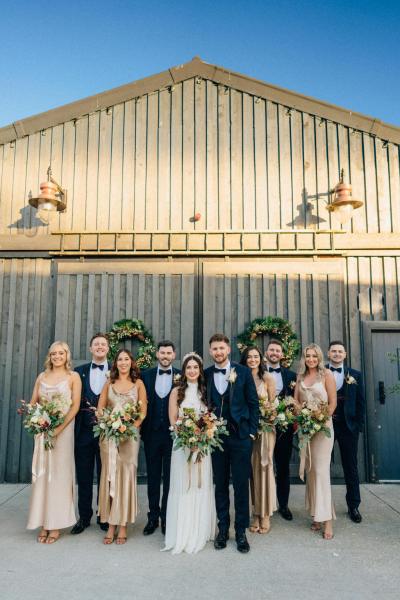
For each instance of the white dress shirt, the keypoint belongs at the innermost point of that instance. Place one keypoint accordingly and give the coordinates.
(98, 377)
(277, 378)
(221, 380)
(339, 377)
(163, 382)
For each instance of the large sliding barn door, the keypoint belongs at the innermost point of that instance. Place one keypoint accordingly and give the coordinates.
(307, 292)
(93, 294)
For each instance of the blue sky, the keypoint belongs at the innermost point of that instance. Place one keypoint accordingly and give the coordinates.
(346, 53)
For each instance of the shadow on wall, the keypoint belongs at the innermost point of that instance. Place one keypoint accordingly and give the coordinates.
(305, 217)
(28, 221)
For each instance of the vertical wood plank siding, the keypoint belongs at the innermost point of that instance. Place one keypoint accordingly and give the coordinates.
(35, 309)
(240, 161)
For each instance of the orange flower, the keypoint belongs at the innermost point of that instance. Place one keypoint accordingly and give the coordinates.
(122, 429)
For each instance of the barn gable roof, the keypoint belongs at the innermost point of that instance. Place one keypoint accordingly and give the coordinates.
(199, 68)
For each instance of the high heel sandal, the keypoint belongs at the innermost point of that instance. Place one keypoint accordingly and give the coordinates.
(255, 525)
(315, 526)
(42, 537)
(265, 525)
(327, 535)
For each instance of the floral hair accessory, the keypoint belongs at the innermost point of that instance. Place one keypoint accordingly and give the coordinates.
(192, 355)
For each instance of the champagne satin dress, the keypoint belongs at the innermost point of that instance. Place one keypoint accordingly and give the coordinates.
(262, 484)
(53, 471)
(118, 482)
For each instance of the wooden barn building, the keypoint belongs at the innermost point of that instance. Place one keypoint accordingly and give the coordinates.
(196, 201)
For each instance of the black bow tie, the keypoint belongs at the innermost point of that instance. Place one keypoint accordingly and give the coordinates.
(166, 372)
(337, 369)
(94, 366)
(222, 371)
(272, 370)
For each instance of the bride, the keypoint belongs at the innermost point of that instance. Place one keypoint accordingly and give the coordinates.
(191, 515)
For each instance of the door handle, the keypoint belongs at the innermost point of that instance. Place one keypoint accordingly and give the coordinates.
(381, 391)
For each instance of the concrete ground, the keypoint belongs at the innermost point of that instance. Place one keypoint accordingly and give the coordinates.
(362, 561)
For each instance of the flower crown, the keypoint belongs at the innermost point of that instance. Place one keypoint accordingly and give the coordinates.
(192, 354)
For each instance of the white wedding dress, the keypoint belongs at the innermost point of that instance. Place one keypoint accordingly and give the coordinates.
(191, 515)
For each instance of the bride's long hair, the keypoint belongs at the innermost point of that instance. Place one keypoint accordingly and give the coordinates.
(183, 382)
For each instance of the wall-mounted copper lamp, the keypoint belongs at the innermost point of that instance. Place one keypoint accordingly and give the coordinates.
(52, 196)
(342, 203)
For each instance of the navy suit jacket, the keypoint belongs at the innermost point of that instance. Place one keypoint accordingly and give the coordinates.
(287, 377)
(149, 380)
(243, 399)
(354, 400)
(84, 420)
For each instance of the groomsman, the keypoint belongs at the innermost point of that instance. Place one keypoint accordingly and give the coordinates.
(87, 453)
(231, 393)
(156, 435)
(348, 421)
(285, 381)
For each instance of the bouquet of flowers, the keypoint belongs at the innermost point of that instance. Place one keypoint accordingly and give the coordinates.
(43, 417)
(118, 423)
(201, 434)
(311, 420)
(285, 413)
(268, 414)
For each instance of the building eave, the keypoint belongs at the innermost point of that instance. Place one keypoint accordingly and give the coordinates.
(219, 75)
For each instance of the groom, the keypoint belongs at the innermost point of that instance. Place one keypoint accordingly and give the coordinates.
(348, 421)
(156, 434)
(231, 394)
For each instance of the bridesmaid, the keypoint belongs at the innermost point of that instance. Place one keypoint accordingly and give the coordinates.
(317, 386)
(53, 471)
(263, 487)
(118, 487)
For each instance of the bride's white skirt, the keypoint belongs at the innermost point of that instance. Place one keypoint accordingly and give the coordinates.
(191, 515)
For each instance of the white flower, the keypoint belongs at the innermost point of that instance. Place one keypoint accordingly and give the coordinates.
(276, 403)
(192, 440)
(189, 422)
(317, 427)
(107, 374)
(232, 376)
(177, 378)
(102, 425)
(350, 380)
(117, 424)
(282, 416)
(305, 411)
(292, 385)
(34, 419)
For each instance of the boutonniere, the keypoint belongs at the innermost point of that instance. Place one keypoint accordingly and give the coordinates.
(107, 374)
(177, 378)
(292, 385)
(232, 376)
(350, 380)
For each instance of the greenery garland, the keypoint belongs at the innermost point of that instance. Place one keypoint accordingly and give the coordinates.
(133, 329)
(275, 327)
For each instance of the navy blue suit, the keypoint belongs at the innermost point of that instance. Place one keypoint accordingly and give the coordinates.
(348, 422)
(284, 445)
(157, 441)
(87, 452)
(239, 406)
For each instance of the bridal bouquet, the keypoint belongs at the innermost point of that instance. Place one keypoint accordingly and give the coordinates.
(268, 414)
(118, 423)
(311, 420)
(199, 434)
(43, 417)
(285, 413)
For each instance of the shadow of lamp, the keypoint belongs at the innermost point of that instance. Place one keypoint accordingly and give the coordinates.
(52, 198)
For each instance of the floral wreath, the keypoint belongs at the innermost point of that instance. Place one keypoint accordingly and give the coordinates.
(132, 329)
(277, 328)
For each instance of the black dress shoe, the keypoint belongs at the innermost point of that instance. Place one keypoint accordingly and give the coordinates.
(221, 539)
(242, 543)
(150, 527)
(103, 526)
(355, 515)
(79, 526)
(163, 527)
(286, 513)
